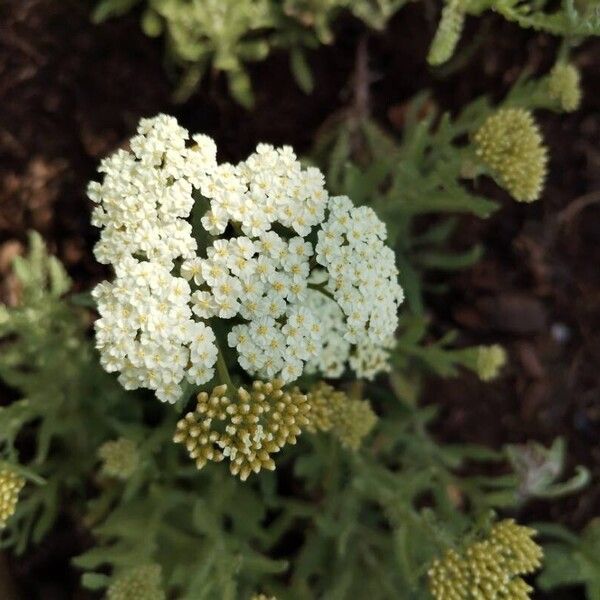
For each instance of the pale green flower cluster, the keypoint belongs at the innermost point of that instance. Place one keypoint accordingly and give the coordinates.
(11, 484)
(509, 143)
(490, 359)
(448, 33)
(350, 420)
(119, 457)
(140, 583)
(490, 569)
(564, 85)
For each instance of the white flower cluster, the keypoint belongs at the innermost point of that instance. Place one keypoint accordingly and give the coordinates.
(270, 186)
(147, 333)
(293, 306)
(146, 330)
(265, 283)
(334, 349)
(146, 194)
(362, 279)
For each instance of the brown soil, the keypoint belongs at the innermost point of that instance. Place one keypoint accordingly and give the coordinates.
(71, 92)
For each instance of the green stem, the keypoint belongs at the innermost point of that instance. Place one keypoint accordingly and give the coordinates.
(223, 372)
(320, 287)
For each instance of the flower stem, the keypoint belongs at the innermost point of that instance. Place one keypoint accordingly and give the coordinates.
(223, 372)
(320, 287)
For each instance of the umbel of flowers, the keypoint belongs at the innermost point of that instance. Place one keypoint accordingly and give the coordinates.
(490, 569)
(290, 278)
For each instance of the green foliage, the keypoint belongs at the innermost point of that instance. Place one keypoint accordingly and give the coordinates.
(46, 357)
(212, 535)
(418, 185)
(572, 559)
(572, 19)
(225, 35)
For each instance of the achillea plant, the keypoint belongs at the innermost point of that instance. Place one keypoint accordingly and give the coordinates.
(509, 143)
(11, 484)
(120, 458)
(139, 583)
(490, 569)
(569, 19)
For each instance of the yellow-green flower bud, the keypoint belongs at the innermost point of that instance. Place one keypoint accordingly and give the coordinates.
(490, 360)
(11, 484)
(489, 569)
(448, 33)
(119, 457)
(246, 427)
(323, 400)
(348, 419)
(262, 597)
(510, 145)
(564, 86)
(520, 554)
(140, 583)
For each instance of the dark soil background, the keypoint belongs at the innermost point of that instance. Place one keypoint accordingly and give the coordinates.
(71, 92)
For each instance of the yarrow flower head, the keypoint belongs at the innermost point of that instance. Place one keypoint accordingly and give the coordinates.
(509, 143)
(244, 426)
(288, 304)
(490, 359)
(119, 457)
(350, 420)
(11, 484)
(140, 583)
(564, 86)
(488, 569)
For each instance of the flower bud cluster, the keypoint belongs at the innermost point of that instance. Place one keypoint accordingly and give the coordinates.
(139, 583)
(11, 484)
(246, 426)
(157, 316)
(564, 86)
(489, 569)
(490, 359)
(119, 458)
(448, 32)
(510, 145)
(349, 420)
